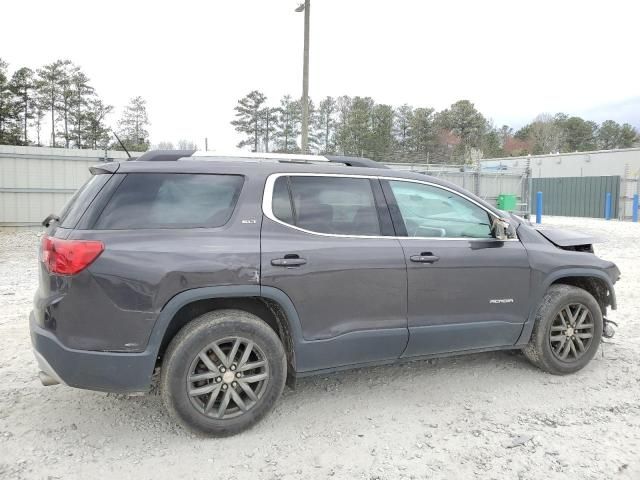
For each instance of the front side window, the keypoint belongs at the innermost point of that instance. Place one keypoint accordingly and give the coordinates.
(429, 211)
(335, 205)
(169, 200)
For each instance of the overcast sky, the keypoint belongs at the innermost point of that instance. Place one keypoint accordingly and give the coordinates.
(192, 60)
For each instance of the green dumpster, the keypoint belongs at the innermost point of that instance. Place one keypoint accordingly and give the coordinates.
(507, 202)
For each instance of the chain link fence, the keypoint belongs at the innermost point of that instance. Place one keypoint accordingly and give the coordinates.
(487, 183)
(35, 181)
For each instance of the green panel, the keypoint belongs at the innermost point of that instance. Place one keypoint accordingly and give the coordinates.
(576, 196)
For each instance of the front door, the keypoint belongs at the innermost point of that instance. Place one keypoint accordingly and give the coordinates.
(466, 289)
(325, 244)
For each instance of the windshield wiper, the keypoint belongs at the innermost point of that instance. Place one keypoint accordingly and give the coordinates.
(47, 221)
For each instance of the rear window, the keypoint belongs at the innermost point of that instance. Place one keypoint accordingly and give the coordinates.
(80, 200)
(336, 205)
(169, 200)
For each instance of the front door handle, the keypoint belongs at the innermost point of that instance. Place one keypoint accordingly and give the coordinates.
(424, 257)
(288, 262)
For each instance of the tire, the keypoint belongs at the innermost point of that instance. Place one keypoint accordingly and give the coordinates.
(553, 335)
(193, 370)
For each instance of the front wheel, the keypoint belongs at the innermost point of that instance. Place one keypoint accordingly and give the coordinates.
(567, 330)
(223, 372)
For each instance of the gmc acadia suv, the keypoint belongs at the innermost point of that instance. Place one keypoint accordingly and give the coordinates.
(230, 275)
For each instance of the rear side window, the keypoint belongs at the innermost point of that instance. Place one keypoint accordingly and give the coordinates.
(169, 200)
(79, 202)
(336, 205)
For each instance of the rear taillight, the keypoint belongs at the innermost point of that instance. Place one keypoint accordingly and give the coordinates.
(68, 257)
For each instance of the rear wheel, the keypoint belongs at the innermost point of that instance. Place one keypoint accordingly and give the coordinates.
(223, 372)
(567, 331)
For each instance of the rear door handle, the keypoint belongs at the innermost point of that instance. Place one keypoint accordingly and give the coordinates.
(288, 262)
(424, 257)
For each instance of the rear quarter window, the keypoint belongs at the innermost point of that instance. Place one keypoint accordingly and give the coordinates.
(80, 200)
(170, 200)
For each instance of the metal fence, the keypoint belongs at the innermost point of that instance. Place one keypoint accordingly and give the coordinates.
(629, 187)
(36, 181)
(487, 184)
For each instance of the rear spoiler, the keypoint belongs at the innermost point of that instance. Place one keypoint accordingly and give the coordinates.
(111, 167)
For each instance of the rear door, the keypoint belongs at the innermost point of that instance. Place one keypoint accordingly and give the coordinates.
(327, 242)
(466, 289)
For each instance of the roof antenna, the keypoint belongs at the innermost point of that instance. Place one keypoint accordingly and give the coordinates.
(120, 142)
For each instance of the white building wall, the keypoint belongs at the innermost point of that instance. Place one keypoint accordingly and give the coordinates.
(579, 164)
(624, 163)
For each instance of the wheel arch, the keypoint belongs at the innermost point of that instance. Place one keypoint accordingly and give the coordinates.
(269, 304)
(596, 286)
(596, 282)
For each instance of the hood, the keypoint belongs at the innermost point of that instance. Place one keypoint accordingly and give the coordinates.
(566, 238)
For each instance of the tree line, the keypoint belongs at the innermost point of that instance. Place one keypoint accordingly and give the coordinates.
(59, 97)
(458, 134)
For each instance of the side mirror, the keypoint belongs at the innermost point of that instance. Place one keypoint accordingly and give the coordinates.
(500, 229)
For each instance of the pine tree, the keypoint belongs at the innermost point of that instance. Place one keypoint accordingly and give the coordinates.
(269, 118)
(49, 89)
(422, 132)
(491, 143)
(465, 122)
(74, 92)
(96, 133)
(608, 135)
(402, 126)
(628, 136)
(343, 134)
(288, 125)
(82, 95)
(7, 107)
(359, 122)
(313, 138)
(249, 120)
(132, 126)
(324, 125)
(22, 87)
(39, 112)
(381, 141)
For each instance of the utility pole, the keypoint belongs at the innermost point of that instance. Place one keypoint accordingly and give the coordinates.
(306, 8)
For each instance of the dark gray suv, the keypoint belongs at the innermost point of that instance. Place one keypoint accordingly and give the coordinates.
(230, 275)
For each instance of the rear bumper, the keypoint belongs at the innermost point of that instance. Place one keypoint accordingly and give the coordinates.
(103, 371)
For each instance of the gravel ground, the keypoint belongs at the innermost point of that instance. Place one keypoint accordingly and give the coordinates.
(487, 415)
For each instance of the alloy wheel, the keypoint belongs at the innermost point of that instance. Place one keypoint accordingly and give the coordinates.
(572, 332)
(227, 378)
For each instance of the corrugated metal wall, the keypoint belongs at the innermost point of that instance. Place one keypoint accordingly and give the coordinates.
(576, 196)
(36, 181)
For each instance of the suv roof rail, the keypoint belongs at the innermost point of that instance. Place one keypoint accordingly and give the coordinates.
(174, 155)
(355, 161)
(282, 157)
